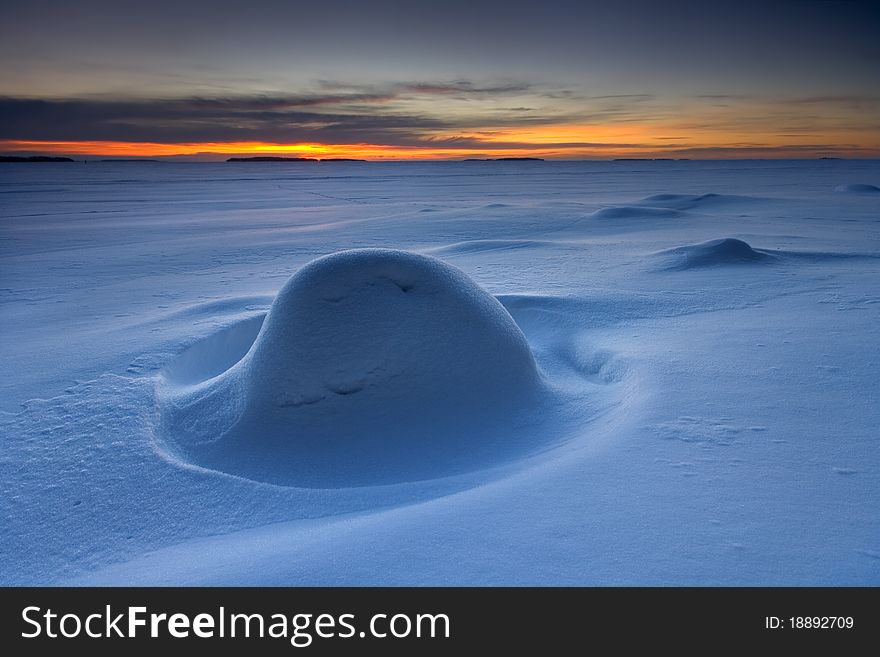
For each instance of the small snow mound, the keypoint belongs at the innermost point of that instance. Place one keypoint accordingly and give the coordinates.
(680, 198)
(725, 251)
(858, 188)
(372, 366)
(697, 201)
(478, 246)
(631, 212)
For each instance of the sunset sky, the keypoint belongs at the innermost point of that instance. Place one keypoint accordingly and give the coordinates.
(438, 80)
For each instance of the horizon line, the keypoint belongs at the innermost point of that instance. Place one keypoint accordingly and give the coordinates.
(431, 151)
(172, 159)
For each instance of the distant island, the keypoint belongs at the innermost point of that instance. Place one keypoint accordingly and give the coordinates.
(265, 158)
(504, 159)
(130, 159)
(269, 158)
(650, 159)
(34, 158)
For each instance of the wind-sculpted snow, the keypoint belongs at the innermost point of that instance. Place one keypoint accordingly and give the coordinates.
(479, 246)
(701, 202)
(713, 253)
(857, 188)
(626, 212)
(598, 396)
(372, 366)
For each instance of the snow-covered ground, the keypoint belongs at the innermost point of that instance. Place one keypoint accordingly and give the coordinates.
(687, 391)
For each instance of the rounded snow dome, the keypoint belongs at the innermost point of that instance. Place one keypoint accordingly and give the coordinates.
(394, 325)
(371, 366)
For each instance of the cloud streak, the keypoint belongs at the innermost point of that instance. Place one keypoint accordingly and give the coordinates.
(346, 115)
(459, 115)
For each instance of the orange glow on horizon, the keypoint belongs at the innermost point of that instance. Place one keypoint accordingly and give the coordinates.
(558, 141)
(153, 149)
(313, 150)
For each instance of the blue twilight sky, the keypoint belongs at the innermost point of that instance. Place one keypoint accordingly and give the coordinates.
(564, 79)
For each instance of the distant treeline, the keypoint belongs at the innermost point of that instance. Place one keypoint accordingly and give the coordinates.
(650, 159)
(265, 158)
(33, 158)
(504, 159)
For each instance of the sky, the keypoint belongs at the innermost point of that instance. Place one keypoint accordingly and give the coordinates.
(384, 79)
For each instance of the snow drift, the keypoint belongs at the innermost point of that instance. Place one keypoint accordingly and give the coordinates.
(700, 202)
(372, 366)
(857, 188)
(631, 212)
(725, 251)
(683, 428)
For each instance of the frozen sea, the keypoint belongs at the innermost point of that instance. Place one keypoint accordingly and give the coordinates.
(589, 373)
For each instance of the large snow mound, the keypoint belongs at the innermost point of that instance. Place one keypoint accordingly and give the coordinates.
(719, 252)
(371, 366)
